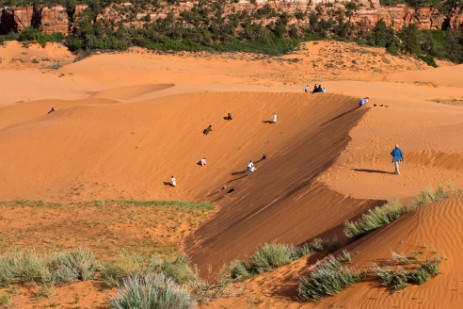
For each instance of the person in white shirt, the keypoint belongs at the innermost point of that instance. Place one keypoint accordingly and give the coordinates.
(174, 181)
(274, 120)
(251, 168)
(306, 88)
(203, 162)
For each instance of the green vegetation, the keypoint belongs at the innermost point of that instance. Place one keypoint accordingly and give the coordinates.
(151, 291)
(392, 210)
(429, 196)
(209, 26)
(128, 265)
(397, 278)
(273, 255)
(149, 203)
(330, 276)
(17, 266)
(374, 219)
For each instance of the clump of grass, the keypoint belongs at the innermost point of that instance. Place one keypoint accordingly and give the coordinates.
(329, 278)
(4, 299)
(147, 203)
(129, 265)
(271, 256)
(78, 265)
(374, 219)
(178, 268)
(152, 291)
(239, 270)
(399, 278)
(126, 265)
(429, 196)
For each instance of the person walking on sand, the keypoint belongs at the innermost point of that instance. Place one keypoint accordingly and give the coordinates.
(397, 156)
(274, 118)
(251, 167)
(363, 101)
(174, 181)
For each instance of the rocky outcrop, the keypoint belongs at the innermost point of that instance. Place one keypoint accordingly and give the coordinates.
(367, 13)
(54, 19)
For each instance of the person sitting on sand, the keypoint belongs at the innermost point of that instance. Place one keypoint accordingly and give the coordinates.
(320, 89)
(306, 88)
(251, 167)
(397, 156)
(363, 101)
(315, 88)
(51, 110)
(207, 130)
(174, 181)
(203, 162)
(229, 116)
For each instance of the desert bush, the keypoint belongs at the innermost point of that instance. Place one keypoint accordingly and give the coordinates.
(178, 268)
(429, 196)
(398, 278)
(152, 291)
(395, 279)
(374, 219)
(328, 278)
(271, 256)
(239, 270)
(126, 265)
(4, 299)
(78, 265)
(27, 266)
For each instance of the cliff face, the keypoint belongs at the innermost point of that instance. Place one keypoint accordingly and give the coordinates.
(368, 12)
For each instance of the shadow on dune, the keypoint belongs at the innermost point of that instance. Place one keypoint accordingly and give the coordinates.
(367, 170)
(283, 202)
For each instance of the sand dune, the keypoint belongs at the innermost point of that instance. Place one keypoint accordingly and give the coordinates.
(125, 122)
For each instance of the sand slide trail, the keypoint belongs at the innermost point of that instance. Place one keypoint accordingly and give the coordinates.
(281, 201)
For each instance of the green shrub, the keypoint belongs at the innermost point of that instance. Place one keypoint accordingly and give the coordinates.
(28, 266)
(394, 279)
(178, 268)
(4, 299)
(374, 219)
(328, 278)
(429, 196)
(419, 276)
(239, 270)
(156, 291)
(78, 265)
(126, 265)
(271, 256)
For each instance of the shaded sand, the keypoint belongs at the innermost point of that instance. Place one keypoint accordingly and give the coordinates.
(281, 201)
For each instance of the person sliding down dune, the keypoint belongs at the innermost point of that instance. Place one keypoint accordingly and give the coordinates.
(203, 162)
(363, 101)
(174, 181)
(251, 167)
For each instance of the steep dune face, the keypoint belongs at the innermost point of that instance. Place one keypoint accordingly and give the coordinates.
(281, 201)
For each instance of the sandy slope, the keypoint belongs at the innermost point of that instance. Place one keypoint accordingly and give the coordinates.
(126, 122)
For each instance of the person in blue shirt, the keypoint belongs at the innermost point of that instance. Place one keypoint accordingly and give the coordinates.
(397, 156)
(363, 101)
